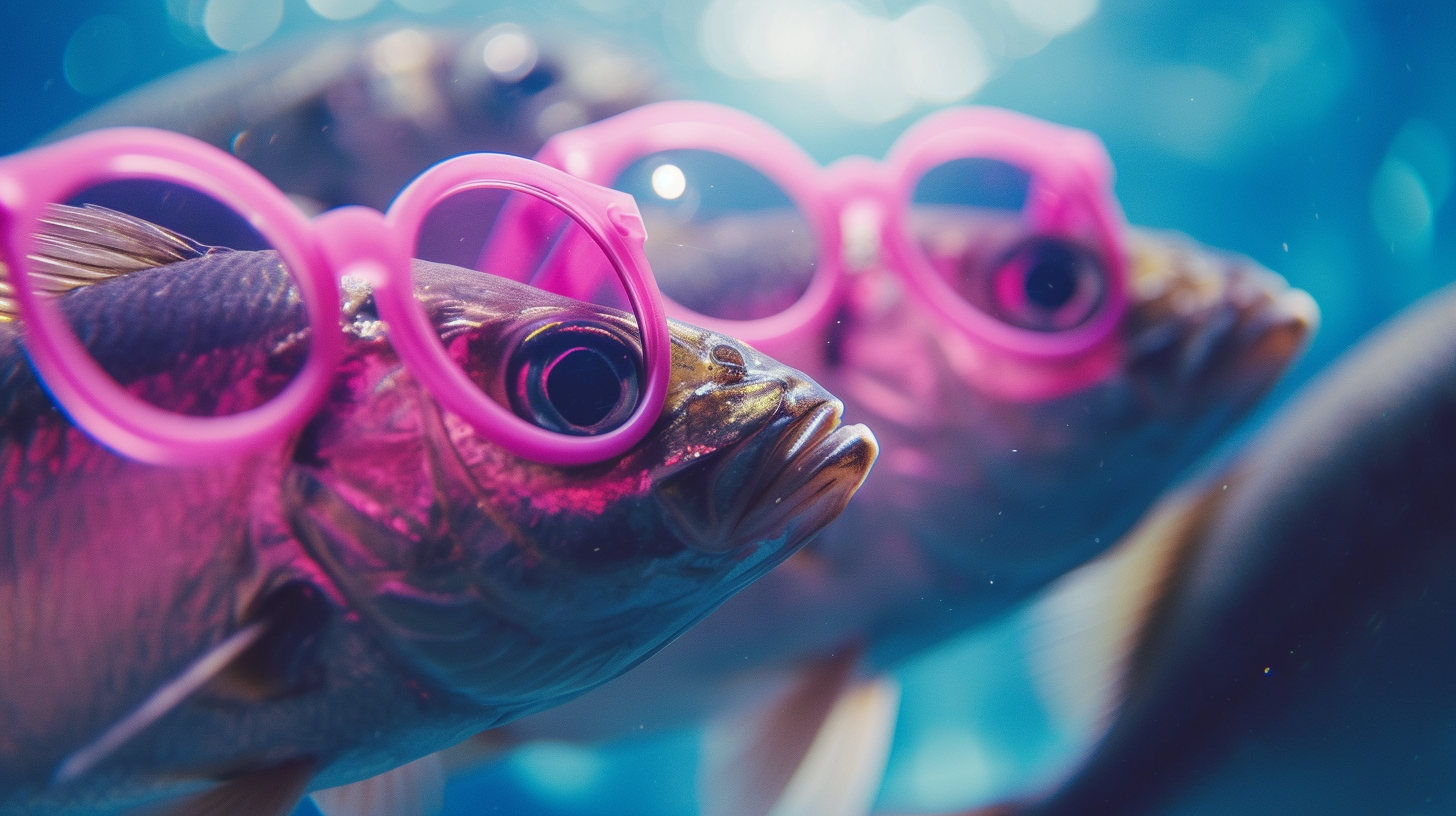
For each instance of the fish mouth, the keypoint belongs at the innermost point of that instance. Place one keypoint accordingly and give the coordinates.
(787, 481)
(1211, 326)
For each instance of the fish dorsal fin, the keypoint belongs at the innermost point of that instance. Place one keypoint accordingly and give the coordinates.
(79, 246)
(1084, 634)
(272, 791)
(749, 758)
(845, 767)
(414, 789)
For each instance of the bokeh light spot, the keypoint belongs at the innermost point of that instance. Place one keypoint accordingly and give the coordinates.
(342, 9)
(669, 182)
(556, 771)
(509, 53)
(237, 25)
(1053, 17)
(98, 54)
(951, 766)
(1400, 207)
(942, 58)
(1422, 145)
(562, 115)
(871, 68)
(424, 6)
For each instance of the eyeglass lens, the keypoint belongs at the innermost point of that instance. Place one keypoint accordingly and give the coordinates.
(968, 219)
(723, 239)
(564, 366)
(175, 295)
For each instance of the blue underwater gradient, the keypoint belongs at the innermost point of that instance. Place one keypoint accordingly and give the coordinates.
(1316, 137)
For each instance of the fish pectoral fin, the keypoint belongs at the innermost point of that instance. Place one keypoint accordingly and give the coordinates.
(414, 789)
(842, 773)
(272, 791)
(749, 758)
(259, 659)
(165, 699)
(1084, 633)
(283, 659)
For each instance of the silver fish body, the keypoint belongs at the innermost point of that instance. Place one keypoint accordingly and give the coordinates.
(417, 582)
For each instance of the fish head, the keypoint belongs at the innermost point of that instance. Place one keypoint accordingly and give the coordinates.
(1006, 492)
(518, 582)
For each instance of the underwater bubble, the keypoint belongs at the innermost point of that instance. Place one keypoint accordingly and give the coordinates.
(342, 9)
(237, 25)
(98, 54)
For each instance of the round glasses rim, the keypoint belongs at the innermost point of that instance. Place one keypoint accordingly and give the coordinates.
(1063, 174)
(98, 404)
(618, 142)
(425, 354)
(131, 426)
(690, 125)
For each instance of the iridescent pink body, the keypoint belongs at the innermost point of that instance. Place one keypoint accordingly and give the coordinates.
(415, 580)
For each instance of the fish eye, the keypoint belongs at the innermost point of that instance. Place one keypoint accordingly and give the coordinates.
(1047, 284)
(578, 378)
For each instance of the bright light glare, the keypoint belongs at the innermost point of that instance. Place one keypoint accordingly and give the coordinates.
(669, 182)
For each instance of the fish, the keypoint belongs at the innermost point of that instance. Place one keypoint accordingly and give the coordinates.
(978, 503)
(1276, 632)
(353, 114)
(385, 581)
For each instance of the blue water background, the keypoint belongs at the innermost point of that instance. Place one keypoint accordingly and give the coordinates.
(1315, 137)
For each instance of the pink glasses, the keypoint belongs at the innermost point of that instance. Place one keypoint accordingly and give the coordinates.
(1003, 225)
(204, 190)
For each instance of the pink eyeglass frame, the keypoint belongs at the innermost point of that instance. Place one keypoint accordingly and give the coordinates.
(1071, 182)
(347, 241)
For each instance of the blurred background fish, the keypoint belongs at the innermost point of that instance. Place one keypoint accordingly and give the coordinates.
(1271, 639)
(1313, 137)
(381, 584)
(979, 502)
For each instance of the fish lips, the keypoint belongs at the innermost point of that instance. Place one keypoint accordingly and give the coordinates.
(787, 480)
(1215, 329)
